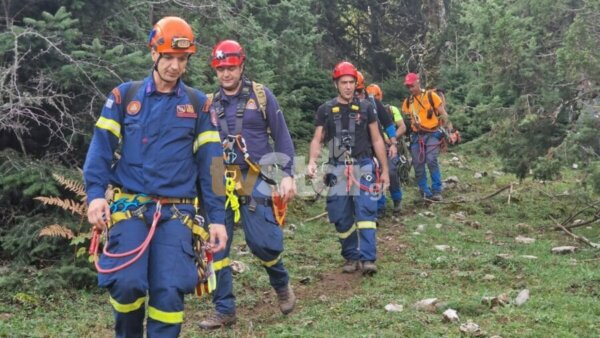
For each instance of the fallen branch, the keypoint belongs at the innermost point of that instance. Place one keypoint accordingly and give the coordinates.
(497, 192)
(316, 217)
(572, 226)
(572, 217)
(578, 238)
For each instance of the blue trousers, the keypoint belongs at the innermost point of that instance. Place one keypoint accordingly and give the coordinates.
(354, 213)
(425, 149)
(264, 237)
(395, 189)
(163, 274)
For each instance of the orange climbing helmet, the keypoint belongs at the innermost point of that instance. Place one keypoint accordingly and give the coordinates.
(374, 90)
(172, 34)
(360, 81)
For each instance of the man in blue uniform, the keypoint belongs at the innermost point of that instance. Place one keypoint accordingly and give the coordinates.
(166, 151)
(349, 127)
(247, 114)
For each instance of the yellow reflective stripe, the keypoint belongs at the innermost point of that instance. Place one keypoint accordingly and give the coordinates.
(110, 125)
(218, 265)
(270, 263)
(344, 235)
(205, 137)
(125, 308)
(165, 317)
(366, 225)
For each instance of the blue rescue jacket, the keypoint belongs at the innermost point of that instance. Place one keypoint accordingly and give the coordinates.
(166, 147)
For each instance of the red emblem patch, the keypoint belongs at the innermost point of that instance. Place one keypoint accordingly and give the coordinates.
(213, 117)
(186, 111)
(134, 107)
(117, 94)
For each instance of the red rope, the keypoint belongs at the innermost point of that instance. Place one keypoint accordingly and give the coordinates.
(93, 251)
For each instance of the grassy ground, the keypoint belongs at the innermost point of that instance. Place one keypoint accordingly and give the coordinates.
(564, 289)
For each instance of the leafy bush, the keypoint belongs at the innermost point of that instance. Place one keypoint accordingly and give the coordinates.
(594, 177)
(547, 169)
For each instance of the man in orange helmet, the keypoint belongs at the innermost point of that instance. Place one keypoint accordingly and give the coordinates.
(167, 146)
(375, 94)
(349, 127)
(248, 116)
(387, 129)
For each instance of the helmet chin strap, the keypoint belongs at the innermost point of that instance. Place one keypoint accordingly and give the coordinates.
(156, 70)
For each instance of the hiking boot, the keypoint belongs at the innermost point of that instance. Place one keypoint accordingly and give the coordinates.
(286, 299)
(217, 320)
(369, 268)
(437, 197)
(397, 208)
(350, 266)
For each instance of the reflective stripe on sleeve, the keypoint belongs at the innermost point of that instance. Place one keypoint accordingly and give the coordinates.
(206, 137)
(111, 125)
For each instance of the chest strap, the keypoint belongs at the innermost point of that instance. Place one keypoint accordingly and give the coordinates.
(344, 139)
(239, 113)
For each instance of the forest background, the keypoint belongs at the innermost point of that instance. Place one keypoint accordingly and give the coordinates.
(521, 79)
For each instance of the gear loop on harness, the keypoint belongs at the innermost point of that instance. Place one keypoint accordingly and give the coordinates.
(139, 251)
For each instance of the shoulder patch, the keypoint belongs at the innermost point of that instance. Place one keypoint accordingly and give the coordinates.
(134, 107)
(117, 94)
(213, 117)
(207, 103)
(109, 103)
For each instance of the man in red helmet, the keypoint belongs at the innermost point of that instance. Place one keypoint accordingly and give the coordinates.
(247, 115)
(349, 127)
(166, 151)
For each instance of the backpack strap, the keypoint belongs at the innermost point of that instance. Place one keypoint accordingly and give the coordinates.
(193, 98)
(261, 97)
(432, 110)
(131, 91)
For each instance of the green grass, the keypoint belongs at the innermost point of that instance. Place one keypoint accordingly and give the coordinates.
(564, 289)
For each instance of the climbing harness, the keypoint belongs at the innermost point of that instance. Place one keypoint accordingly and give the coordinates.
(139, 251)
(233, 188)
(120, 211)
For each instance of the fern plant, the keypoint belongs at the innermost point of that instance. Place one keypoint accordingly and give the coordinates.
(77, 208)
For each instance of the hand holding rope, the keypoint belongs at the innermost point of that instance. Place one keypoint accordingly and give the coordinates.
(139, 251)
